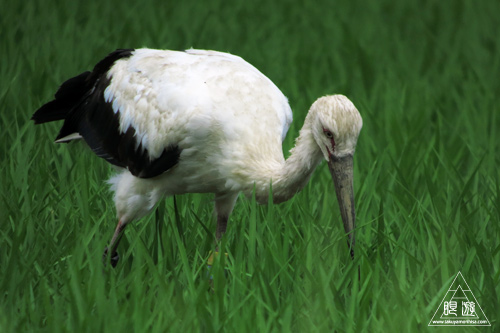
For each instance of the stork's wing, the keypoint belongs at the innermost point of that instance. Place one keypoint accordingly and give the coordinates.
(86, 111)
(139, 108)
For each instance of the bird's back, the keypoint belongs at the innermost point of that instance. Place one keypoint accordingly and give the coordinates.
(176, 106)
(172, 95)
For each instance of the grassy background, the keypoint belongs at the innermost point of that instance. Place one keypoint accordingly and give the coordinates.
(424, 75)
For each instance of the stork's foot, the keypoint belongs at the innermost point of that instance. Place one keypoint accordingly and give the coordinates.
(114, 258)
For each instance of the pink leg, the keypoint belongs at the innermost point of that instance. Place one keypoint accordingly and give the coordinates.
(115, 240)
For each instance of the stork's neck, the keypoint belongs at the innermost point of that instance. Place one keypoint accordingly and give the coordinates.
(295, 172)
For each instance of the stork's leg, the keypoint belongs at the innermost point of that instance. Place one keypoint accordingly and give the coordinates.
(224, 205)
(113, 245)
(221, 227)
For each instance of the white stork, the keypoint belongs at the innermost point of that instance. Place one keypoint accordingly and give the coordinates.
(200, 122)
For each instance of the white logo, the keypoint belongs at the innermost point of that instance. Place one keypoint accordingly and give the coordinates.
(459, 307)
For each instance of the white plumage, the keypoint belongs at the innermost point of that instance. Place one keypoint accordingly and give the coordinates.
(200, 122)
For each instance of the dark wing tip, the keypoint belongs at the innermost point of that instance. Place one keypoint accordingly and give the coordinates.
(66, 97)
(73, 90)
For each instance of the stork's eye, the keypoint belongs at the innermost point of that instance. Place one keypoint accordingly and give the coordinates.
(328, 134)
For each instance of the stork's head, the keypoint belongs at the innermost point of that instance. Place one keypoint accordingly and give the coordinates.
(336, 126)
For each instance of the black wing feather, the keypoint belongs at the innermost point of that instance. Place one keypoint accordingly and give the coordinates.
(80, 102)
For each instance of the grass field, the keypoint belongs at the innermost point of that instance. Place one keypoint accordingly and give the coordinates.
(425, 77)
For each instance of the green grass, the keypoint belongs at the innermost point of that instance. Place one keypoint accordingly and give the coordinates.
(424, 75)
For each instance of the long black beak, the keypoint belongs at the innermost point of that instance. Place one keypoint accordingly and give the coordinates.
(342, 175)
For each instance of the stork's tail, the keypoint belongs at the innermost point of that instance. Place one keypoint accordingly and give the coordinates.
(67, 97)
